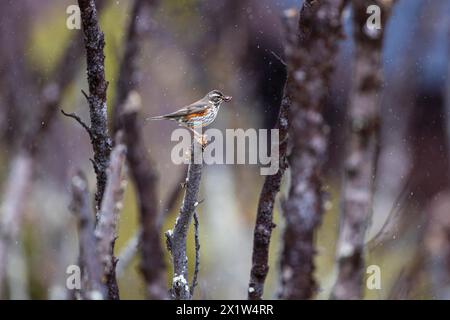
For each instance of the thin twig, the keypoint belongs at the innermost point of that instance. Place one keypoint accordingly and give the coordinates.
(79, 120)
(106, 229)
(127, 253)
(278, 58)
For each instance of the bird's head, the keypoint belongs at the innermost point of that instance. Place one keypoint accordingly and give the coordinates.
(217, 97)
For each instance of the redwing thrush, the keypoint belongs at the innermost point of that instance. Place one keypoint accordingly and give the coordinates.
(200, 113)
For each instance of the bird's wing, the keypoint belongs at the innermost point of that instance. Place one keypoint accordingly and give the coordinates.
(194, 108)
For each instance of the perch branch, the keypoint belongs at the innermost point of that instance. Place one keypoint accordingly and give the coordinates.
(95, 58)
(360, 164)
(176, 238)
(106, 229)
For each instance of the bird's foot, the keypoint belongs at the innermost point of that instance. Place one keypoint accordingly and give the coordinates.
(202, 140)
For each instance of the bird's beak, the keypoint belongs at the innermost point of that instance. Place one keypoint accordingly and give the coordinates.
(227, 98)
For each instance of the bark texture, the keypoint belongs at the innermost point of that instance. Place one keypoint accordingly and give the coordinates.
(361, 160)
(264, 216)
(92, 284)
(310, 54)
(176, 238)
(107, 226)
(98, 131)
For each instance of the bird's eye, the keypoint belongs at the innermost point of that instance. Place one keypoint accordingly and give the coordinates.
(216, 96)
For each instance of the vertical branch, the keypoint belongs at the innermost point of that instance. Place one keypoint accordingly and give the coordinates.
(95, 58)
(18, 185)
(64, 73)
(360, 164)
(310, 57)
(106, 229)
(129, 72)
(197, 253)
(176, 238)
(93, 287)
(126, 117)
(264, 216)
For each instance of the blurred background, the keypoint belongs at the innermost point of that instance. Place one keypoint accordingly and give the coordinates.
(194, 46)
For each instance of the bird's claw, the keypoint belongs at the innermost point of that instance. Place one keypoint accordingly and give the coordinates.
(203, 141)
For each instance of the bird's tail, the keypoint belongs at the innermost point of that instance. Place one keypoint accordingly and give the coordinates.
(156, 118)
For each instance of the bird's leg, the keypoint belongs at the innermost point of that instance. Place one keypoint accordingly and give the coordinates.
(201, 138)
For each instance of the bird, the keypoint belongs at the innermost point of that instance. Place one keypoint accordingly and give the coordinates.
(198, 114)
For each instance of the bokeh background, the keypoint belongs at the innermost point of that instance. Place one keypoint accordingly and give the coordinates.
(194, 46)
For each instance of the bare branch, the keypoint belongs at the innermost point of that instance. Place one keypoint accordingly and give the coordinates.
(144, 176)
(95, 58)
(93, 287)
(12, 210)
(360, 164)
(310, 54)
(85, 95)
(127, 253)
(177, 237)
(79, 120)
(49, 98)
(129, 72)
(278, 58)
(106, 229)
(197, 254)
(264, 216)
